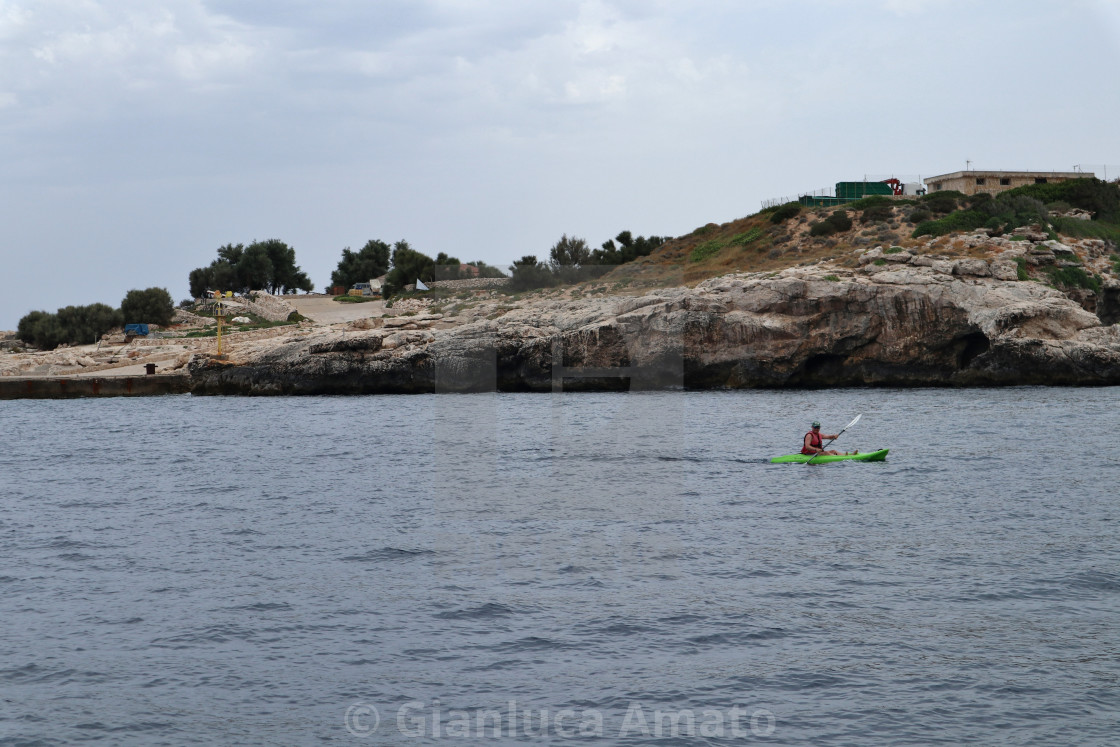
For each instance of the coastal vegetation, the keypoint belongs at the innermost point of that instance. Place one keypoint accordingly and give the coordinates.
(408, 266)
(571, 260)
(70, 325)
(262, 265)
(371, 261)
(714, 246)
(255, 322)
(1073, 277)
(785, 212)
(149, 306)
(1028, 205)
(402, 265)
(837, 222)
(82, 325)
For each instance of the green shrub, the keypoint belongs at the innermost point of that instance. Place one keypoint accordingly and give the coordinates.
(706, 250)
(832, 278)
(919, 216)
(1005, 210)
(1017, 210)
(840, 220)
(880, 262)
(39, 328)
(785, 212)
(978, 199)
(962, 220)
(747, 237)
(893, 250)
(150, 306)
(940, 203)
(870, 201)
(876, 213)
(70, 325)
(1099, 197)
(1087, 229)
(956, 195)
(821, 228)
(1021, 269)
(1073, 277)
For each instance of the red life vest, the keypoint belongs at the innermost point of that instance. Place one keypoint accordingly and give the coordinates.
(814, 441)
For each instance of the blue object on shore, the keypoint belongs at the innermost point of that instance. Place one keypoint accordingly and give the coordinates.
(136, 329)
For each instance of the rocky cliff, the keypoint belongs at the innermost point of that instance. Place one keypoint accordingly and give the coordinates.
(892, 319)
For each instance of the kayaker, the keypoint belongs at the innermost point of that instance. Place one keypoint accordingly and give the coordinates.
(813, 442)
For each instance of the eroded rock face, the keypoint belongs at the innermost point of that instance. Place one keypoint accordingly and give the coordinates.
(902, 325)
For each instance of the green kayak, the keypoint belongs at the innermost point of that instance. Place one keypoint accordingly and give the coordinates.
(869, 456)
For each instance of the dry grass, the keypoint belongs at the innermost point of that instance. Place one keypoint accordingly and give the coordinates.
(774, 248)
(771, 248)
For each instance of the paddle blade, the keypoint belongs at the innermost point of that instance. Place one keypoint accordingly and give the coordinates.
(849, 425)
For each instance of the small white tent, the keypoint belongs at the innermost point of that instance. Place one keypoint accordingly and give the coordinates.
(420, 285)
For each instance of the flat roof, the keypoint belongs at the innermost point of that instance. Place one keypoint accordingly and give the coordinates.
(1031, 174)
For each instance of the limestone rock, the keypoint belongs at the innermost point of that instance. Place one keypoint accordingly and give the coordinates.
(1003, 269)
(974, 267)
(949, 323)
(871, 256)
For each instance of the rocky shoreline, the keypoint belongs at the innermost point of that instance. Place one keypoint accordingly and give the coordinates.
(952, 311)
(901, 319)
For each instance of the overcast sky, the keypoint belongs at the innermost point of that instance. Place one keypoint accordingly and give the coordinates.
(137, 137)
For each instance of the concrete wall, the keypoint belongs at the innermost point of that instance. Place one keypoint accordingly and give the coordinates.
(994, 182)
(60, 387)
(470, 283)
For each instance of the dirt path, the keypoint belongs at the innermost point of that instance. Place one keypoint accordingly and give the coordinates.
(325, 310)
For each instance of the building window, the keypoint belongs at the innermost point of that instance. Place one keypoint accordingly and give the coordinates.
(937, 186)
(1005, 181)
(979, 181)
(1040, 180)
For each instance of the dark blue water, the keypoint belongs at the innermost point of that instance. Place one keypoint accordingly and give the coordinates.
(622, 568)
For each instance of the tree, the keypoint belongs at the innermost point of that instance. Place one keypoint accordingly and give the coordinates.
(263, 265)
(487, 271)
(447, 268)
(643, 246)
(220, 275)
(409, 266)
(607, 255)
(82, 325)
(254, 271)
(41, 329)
(371, 261)
(150, 306)
(286, 275)
(72, 325)
(570, 251)
(527, 273)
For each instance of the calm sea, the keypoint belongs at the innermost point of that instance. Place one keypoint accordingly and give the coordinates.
(502, 568)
